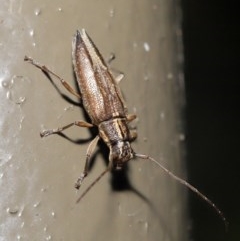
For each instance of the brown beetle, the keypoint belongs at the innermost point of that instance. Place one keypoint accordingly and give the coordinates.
(103, 102)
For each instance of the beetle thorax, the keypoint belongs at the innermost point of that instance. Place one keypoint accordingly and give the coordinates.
(115, 134)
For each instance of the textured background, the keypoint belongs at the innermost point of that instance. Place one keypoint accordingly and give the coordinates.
(37, 175)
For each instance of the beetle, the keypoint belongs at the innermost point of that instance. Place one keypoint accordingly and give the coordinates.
(102, 99)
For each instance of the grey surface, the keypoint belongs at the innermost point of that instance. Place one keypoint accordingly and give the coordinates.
(37, 175)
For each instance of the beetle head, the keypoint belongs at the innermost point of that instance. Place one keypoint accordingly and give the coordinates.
(120, 153)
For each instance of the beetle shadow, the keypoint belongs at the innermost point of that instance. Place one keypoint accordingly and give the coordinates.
(64, 96)
(120, 182)
(119, 179)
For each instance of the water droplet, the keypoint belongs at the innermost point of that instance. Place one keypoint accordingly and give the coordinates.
(146, 47)
(8, 95)
(4, 75)
(49, 237)
(35, 205)
(146, 77)
(69, 108)
(146, 226)
(5, 84)
(162, 115)
(31, 32)
(18, 89)
(13, 210)
(21, 100)
(4, 157)
(112, 12)
(182, 137)
(169, 75)
(135, 45)
(37, 12)
(44, 189)
(20, 212)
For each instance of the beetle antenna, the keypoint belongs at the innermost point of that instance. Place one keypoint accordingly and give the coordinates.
(92, 184)
(188, 185)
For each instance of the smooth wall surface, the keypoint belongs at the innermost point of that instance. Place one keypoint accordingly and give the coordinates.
(37, 175)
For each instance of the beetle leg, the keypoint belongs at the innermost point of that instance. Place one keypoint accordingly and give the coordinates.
(90, 150)
(92, 184)
(120, 75)
(49, 72)
(111, 58)
(60, 129)
(131, 117)
(133, 135)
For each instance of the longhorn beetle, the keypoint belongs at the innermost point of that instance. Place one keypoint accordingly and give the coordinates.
(103, 102)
